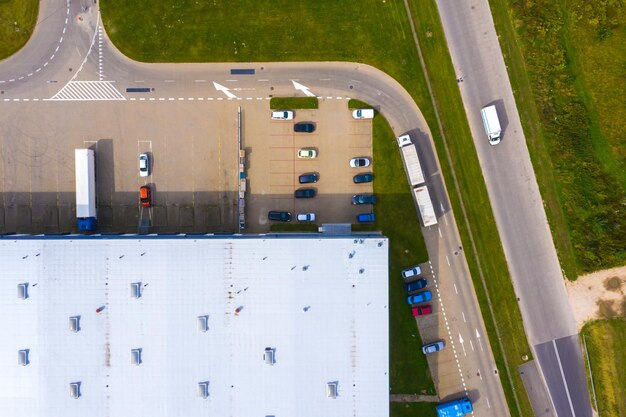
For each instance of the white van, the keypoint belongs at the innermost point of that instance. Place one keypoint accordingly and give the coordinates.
(282, 115)
(363, 114)
(491, 123)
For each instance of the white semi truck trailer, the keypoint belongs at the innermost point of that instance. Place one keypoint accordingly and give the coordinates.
(85, 167)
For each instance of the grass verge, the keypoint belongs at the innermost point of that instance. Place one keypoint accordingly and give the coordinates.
(605, 344)
(293, 228)
(412, 410)
(292, 103)
(17, 22)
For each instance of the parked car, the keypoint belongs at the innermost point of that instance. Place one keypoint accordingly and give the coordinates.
(307, 153)
(420, 297)
(305, 193)
(145, 196)
(360, 162)
(415, 285)
(144, 165)
(363, 114)
(282, 115)
(279, 216)
(306, 127)
(309, 178)
(364, 199)
(365, 218)
(433, 347)
(411, 272)
(306, 217)
(363, 178)
(421, 310)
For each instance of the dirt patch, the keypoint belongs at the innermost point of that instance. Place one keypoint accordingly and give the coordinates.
(598, 295)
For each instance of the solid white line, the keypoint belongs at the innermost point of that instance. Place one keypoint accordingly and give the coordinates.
(558, 358)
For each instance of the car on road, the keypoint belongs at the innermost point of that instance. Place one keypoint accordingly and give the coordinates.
(421, 310)
(360, 162)
(279, 216)
(305, 193)
(145, 196)
(363, 178)
(415, 285)
(309, 178)
(365, 218)
(433, 347)
(411, 272)
(282, 115)
(364, 199)
(363, 114)
(144, 165)
(306, 127)
(306, 217)
(307, 153)
(420, 297)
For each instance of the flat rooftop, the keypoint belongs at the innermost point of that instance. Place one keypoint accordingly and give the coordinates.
(198, 313)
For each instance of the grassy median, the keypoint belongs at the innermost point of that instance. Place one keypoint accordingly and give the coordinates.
(17, 22)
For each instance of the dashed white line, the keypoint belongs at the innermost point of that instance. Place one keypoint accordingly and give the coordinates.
(439, 230)
(471, 344)
(168, 81)
(463, 314)
(488, 405)
(447, 260)
(455, 290)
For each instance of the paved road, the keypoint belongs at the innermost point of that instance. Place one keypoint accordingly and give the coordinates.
(516, 202)
(70, 59)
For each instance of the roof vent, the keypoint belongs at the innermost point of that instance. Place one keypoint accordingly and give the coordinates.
(135, 289)
(75, 389)
(203, 389)
(22, 357)
(22, 291)
(270, 355)
(331, 389)
(74, 324)
(135, 356)
(203, 323)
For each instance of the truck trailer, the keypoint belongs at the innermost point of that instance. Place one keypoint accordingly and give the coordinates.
(425, 206)
(491, 123)
(456, 408)
(85, 167)
(413, 166)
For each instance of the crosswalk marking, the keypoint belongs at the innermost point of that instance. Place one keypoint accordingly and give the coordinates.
(88, 91)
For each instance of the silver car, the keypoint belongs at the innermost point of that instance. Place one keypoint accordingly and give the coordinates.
(144, 165)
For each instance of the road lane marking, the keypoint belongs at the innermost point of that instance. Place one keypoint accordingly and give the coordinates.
(439, 230)
(479, 342)
(488, 405)
(463, 314)
(558, 358)
(455, 290)
(447, 260)
(471, 345)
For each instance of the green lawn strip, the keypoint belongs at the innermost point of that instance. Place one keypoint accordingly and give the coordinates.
(357, 104)
(292, 103)
(295, 227)
(17, 22)
(503, 320)
(412, 410)
(605, 344)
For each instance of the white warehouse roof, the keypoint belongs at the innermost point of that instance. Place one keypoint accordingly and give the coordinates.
(319, 305)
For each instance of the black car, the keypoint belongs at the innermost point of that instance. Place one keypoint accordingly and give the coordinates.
(279, 216)
(305, 193)
(309, 178)
(306, 127)
(361, 178)
(363, 199)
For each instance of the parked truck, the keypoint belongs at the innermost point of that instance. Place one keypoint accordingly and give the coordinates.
(425, 206)
(413, 166)
(491, 123)
(456, 408)
(85, 167)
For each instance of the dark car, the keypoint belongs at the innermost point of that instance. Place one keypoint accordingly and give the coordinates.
(364, 199)
(365, 218)
(309, 178)
(279, 216)
(306, 127)
(305, 193)
(362, 178)
(415, 285)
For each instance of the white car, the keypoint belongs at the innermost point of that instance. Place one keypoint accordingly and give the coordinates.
(282, 115)
(307, 153)
(411, 272)
(363, 114)
(360, 162)
(306, 217)
(144, 165)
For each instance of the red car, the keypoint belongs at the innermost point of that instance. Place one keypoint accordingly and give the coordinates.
(145, 196)
(421, 310)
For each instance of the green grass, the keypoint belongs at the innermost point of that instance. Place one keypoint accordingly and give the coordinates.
(605, 343)
(292, 103)
(294, 227)
(17, 22)
(574, 116)
(412, 410)
(357, 104)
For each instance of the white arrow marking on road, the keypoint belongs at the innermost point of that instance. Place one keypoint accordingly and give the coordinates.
(224, 90)
(302, 88)
(479, 342)
(462, 344)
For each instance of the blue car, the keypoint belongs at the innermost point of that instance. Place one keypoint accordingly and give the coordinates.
(365, 218)
(311, 177)
(415, 285)
(363, 178)
(420, 297)
(363, 199)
